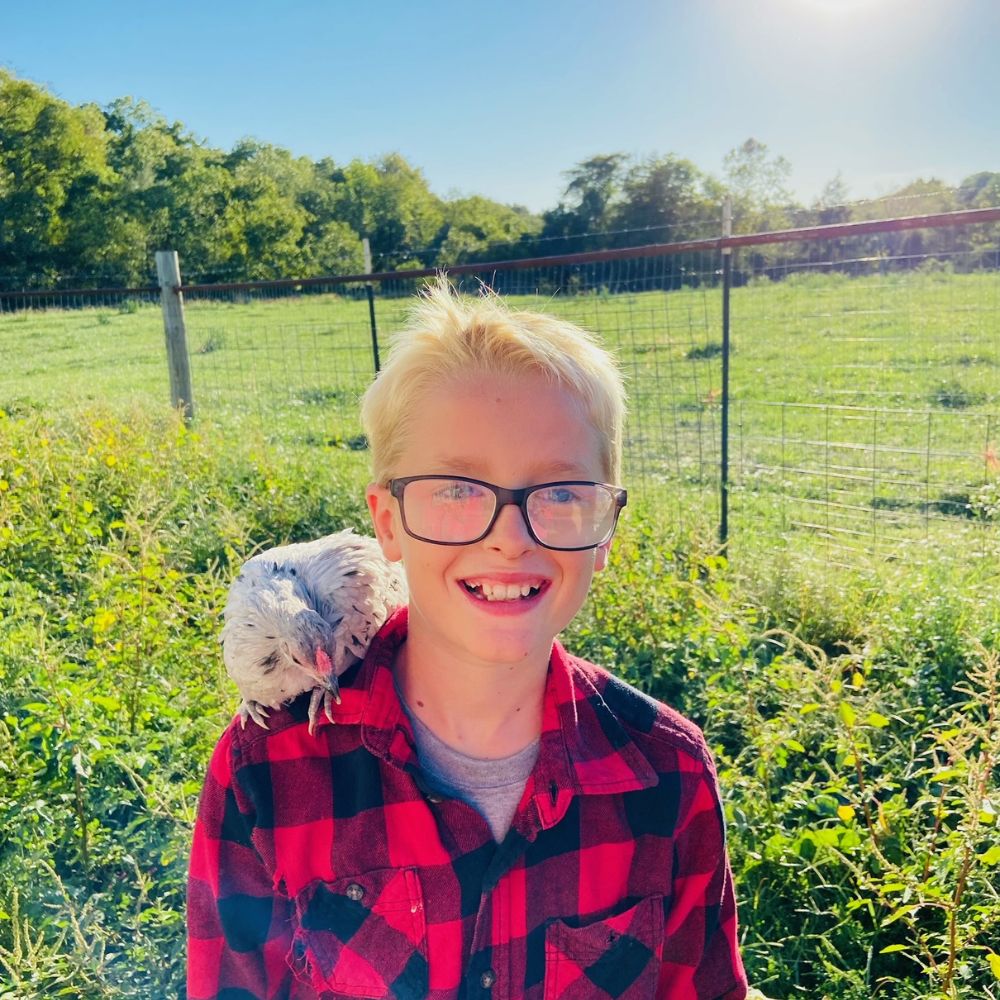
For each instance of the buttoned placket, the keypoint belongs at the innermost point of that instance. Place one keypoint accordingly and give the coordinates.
(485, 978)
(387, 733)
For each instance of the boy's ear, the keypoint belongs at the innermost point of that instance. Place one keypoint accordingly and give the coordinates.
(382, 507)
(601, 555)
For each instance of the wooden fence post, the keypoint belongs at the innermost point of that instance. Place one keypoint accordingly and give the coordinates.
(168, 272)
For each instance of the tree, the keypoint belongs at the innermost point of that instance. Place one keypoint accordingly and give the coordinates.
(592, 189)
(53, 175)
(831, 206)
(389, 202)
(147, 154)
(477, 228)
(758, 185)
(197, 216)
(665, 200)
(910, 247)
(91, 193)
(980, 190)
(269, 223)
(671, 196)
(332, 247)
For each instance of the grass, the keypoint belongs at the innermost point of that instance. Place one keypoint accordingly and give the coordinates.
(842, 663)
(856, 722)
(865, 418)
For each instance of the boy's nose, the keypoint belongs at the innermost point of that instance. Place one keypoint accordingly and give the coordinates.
(510, 535)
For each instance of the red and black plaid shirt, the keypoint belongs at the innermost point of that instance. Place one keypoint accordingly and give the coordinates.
(322, 866)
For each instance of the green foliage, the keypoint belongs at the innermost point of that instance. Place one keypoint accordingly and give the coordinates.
(669, 194)
(478, 229)
(53, 179)
(118, 535)
(704, 352)
(758, 185)
(860, 779)
(952, 395)
(856, 729)
(86, 195)
(83, 190)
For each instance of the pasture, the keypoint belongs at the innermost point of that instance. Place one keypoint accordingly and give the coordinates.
(864, 418)
(854, 712)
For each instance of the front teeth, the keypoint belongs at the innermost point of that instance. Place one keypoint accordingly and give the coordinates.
(502, 591)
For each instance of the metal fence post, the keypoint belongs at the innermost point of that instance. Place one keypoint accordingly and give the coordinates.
(168, 272)
(370, 292)
(727, 280)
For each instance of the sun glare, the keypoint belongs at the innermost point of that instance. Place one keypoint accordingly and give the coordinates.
(839, 8)
(850, 11)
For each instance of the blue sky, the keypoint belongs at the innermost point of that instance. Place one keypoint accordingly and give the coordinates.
(500, 98)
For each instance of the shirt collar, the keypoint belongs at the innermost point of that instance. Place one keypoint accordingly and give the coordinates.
(584, 748)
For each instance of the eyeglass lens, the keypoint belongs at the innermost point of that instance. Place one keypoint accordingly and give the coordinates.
(563, 515)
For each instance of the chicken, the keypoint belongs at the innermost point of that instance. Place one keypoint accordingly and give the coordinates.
(297, 616)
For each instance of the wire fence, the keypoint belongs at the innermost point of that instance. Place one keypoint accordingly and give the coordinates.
(866, 420)
(851, 410)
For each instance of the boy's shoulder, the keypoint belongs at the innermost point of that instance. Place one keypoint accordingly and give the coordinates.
(288, 733)
(655, 727)
(286, 736)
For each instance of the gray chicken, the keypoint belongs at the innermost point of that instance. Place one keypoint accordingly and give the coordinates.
(297, 616)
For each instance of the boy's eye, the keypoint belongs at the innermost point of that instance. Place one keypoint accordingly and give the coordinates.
(558, 495)
(457, 490)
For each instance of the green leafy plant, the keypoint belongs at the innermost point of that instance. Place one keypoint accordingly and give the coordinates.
(855, 726)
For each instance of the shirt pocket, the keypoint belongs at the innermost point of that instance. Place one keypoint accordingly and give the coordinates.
(616, 957)
(362, 936)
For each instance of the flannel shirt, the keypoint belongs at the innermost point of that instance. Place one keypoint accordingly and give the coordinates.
(322, 866)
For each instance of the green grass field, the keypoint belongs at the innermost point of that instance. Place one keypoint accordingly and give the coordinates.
(857, 728)
(853, 703)
(865, 416)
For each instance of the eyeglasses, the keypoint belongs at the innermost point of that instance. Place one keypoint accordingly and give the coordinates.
(453, 510)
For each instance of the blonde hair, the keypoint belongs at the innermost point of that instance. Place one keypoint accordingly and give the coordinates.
(450, 336)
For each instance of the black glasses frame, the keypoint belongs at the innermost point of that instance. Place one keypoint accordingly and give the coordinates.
(504, 497)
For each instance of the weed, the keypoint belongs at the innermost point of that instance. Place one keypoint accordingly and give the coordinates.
(853, 714)
(215, 341)
(704, 352)
(118, 534)
(952, 395)
(319, 396)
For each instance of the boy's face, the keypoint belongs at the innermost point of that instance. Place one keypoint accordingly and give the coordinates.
(512, 432)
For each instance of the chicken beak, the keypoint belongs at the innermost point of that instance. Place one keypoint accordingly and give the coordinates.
(329, 682)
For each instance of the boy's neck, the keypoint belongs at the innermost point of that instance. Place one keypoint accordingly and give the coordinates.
(485, 711)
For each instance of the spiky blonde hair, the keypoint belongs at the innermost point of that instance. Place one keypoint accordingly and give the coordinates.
(450, 336)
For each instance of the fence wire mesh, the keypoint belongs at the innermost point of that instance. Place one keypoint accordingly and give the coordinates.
(864, 395)
(299, 362)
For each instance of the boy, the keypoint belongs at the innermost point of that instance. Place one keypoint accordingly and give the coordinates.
(489, 817)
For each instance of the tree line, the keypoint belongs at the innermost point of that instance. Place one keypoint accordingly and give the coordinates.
(87, 194)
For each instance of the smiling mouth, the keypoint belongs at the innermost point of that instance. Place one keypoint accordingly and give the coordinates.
(485, 591)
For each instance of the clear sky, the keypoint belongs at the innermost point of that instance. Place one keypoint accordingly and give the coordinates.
(500, 98)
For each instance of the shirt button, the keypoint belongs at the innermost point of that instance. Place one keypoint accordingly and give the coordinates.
(355, 892)
(487, 979)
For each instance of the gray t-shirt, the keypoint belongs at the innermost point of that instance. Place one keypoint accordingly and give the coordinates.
(492, 786)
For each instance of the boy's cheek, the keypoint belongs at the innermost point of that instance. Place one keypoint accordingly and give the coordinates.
(601, 556)
(382, 509)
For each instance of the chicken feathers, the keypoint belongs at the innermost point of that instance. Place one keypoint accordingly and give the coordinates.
(297, 616)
